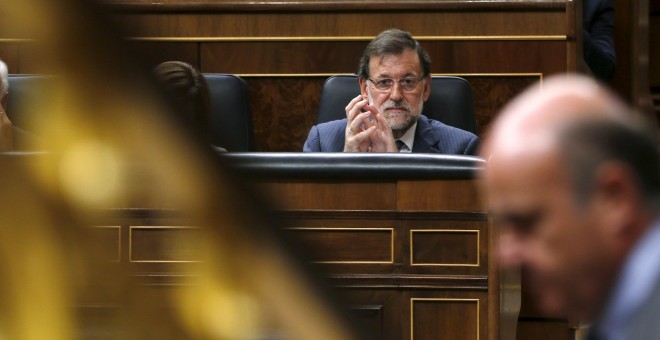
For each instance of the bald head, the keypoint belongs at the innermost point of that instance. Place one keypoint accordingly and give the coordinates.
(572, 181)
(533, 119)
(579, 122)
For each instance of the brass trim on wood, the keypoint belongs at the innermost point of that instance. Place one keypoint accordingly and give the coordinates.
(412, 316)
(511, 74)
(391, 230)
(333, 6)
(354, 38)
(290, 75)
(130, 244)
(446, 282)
(412, 263)
(381, 215)
(14, 40)
(312, 75)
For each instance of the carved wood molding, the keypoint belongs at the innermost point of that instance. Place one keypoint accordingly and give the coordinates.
(385, 215)
(140, 6)
(470, 282)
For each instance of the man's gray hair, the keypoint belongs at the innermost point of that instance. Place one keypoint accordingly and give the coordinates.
(393, 42)
(587, 144)
(4, 78)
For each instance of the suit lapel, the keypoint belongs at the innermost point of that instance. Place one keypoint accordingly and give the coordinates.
(426, 140)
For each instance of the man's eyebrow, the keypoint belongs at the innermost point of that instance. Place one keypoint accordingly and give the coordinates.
(524, 221)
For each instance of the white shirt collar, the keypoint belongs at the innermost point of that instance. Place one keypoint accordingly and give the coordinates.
(408, 139)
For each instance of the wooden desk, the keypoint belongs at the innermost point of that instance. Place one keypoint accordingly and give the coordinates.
(403, 238)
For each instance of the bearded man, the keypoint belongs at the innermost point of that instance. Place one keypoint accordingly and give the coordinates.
(395, 81)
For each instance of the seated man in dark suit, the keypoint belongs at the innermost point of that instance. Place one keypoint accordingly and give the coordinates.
(395, 81)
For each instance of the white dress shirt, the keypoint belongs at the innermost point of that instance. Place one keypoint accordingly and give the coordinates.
(408, 139)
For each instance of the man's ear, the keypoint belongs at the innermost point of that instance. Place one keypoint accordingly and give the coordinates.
(3, 100)
(427, 88)
(617, 197)
(363, 88)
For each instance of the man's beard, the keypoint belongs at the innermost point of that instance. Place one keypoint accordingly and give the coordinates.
(399, 124)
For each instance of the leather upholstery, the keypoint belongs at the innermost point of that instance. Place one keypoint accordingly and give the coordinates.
(230, 122)
(25, 90)
(450, 101)
(354, 165)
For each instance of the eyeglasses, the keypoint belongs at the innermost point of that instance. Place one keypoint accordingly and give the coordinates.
(407, 84)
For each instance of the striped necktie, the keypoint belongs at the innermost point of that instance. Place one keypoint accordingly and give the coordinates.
(399, 144)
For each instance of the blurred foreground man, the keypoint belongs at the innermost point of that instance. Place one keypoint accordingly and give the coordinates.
(573, 182)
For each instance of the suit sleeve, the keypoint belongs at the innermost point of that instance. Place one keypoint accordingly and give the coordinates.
(313, 142)
(598, 39)
(472, 147)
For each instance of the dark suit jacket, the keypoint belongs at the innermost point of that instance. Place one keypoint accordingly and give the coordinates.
(598, 36)
(431, 136)
(642, 320)
(646, 322)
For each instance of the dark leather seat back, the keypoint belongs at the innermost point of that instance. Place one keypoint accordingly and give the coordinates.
(230, 123)
(25, 90)
(450, 101)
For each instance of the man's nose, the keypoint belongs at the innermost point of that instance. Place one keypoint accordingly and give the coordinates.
(396, 92)
(510, 251)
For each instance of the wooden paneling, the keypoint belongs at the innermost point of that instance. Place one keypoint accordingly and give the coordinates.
(153, 244)
(281, 58)
(283, 110)
(22, 57)
(468, 56)
(442, 247)
(344, 21)
(348, 245)
(420, 313)
(380, 231)
(9, 54)
(447, 245)
(543, 329)
(384, 324)
(286, 50)
(154, 53)
(437, 280)
(430, 315)
(403, 273)
(371, 318)
(633, 31)
(456, 195)
(654, 57)
(654, 51)
(432, 318)
(491, 93)
(330, 195)
(109, 239)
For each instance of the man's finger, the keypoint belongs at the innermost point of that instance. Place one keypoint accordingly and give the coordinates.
(353, 108)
